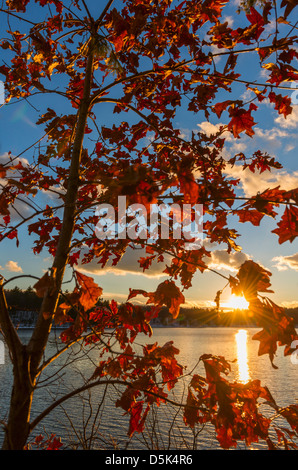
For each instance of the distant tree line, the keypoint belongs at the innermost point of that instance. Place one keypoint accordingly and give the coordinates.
(27, 300)
(18, 299)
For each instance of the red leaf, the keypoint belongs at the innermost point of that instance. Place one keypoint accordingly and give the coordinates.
(267, 344)
(241, 121)
(252, 278)
(135, 292)
(90, 291)
(288, 226)
(3, 171)
(252, 216)
(254, 17)
(218, 108)
(290, 5)
(282, 103)
(167, 293)
(45, 284)
(256, 20)
(135, 424)
(119, 41)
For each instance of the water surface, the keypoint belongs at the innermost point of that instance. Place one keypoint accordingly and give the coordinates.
(93, 420)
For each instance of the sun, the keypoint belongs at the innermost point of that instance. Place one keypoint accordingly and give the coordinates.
(237, 303)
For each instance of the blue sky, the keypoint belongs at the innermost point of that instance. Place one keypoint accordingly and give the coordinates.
(273, 133)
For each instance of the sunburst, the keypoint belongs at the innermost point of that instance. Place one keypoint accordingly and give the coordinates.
(236, 303)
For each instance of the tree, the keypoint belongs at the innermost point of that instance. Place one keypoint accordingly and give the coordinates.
(147, 60)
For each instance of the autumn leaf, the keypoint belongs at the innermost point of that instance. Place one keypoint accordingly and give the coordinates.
(290, 5)
(46, 284)
(268, 344)
(257, 20)
(135, 423)
(90, 291)
(218, 108)
(252, 216)
(134, 292)
(3, 170)
(167, 293)
(4, 205)
(241, 121)
(190, 189)
(288, 226)
(282, 103)
(253, 279)
(71, 300)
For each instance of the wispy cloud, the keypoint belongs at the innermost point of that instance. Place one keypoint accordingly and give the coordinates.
(221, 260)
(129, 264)
(291, 121)
(252, 183)
(282, 263)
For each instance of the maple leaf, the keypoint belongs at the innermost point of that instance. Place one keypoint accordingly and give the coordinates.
(241, 121)
(218, 108)
(3, 170)
(278, 328)
(46, 284)
(268, 344)
(167, 293)
(189, 188)
(288, 226)
(135, 292)
(71, 300)
(290, 5)
(119, 41)
(252, 278)
(90, 291)
(190, 417)
(282, 103)
(252, 216)
(257, 20)
(55, 443)
(136, 424)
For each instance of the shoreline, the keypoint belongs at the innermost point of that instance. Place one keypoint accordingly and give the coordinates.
(62, 328)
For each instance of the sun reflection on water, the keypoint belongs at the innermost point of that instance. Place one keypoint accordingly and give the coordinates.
(242, 359)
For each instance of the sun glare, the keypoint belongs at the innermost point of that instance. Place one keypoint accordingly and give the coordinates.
(237, 303)
(242, 359)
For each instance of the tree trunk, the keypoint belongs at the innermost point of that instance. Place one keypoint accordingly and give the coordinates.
(26, 359)
(18, 426)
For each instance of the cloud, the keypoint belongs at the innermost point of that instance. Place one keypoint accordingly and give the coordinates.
(286, 262)
(13, 267)
(223, 261)
(252, 183)
(5, 158)
(127, 265)
(209, 129)
(271, 134)
(229, 19)
(291, 121)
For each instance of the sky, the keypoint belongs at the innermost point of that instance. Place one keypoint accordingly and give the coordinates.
(273, 133)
